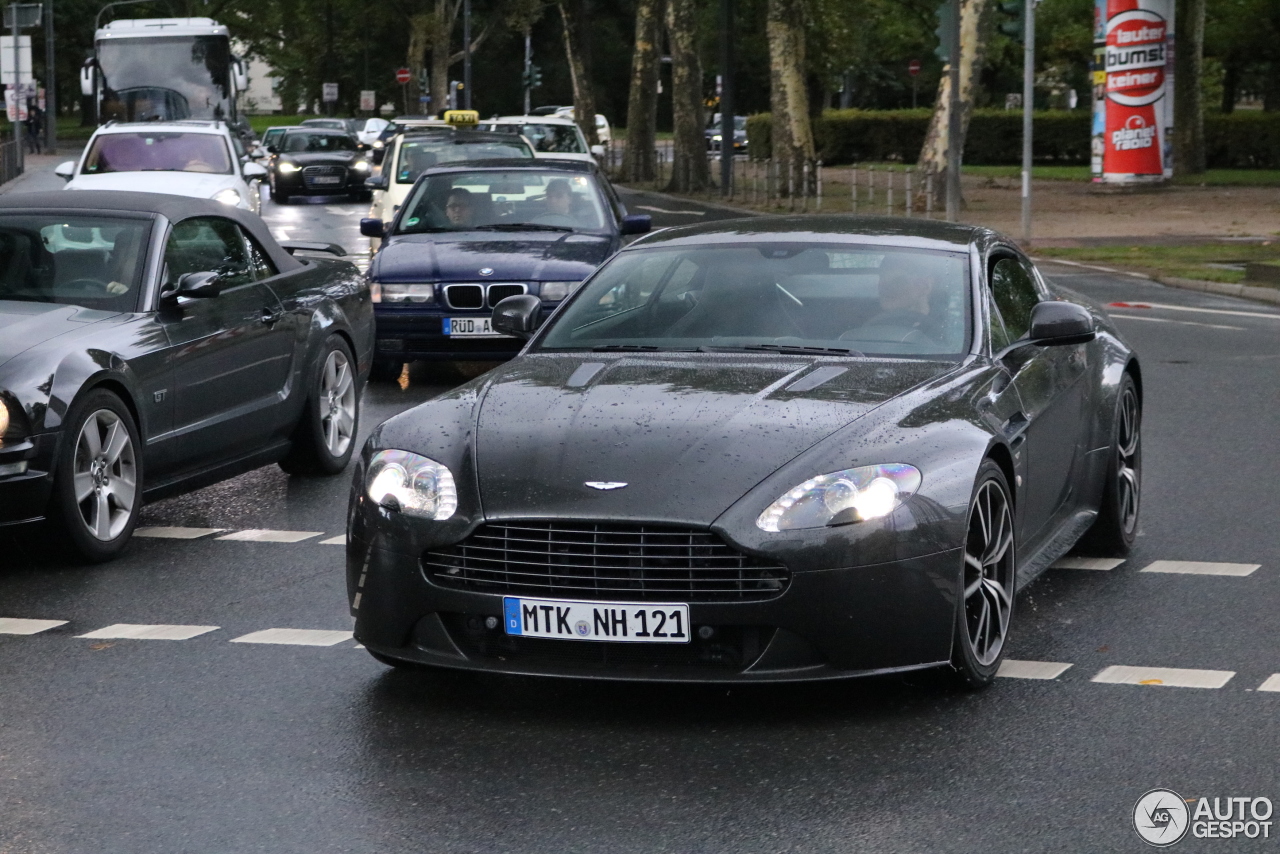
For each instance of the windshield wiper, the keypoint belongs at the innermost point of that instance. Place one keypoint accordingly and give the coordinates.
(797, 350)
(522, 226)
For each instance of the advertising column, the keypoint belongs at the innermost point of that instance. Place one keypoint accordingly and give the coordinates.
(1133, 91)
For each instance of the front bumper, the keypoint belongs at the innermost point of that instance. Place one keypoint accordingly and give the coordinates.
(296, 184)
(418, 334)
(24, 497)
(828, 624)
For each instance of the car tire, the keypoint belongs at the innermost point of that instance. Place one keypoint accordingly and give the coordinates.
(325, 436)
(278, 196)
(984, 606)
(362, 196)
(386, 370)
(1116, 527)
(97, 484)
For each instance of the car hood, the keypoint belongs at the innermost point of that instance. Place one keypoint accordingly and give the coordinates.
(321, 158)
(527, 256)
(24, 325)
(197, 185)
(688, 436)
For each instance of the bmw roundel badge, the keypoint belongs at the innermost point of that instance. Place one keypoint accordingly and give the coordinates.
(486, 271)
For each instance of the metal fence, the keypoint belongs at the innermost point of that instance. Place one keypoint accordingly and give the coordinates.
(10, 161)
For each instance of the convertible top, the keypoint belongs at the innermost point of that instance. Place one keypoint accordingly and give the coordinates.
(172, 207)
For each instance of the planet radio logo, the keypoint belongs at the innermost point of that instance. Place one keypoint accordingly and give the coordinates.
(1161, 818)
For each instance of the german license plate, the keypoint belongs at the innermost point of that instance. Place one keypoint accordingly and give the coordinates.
(470, 327)
(327, 179)
(651, 622)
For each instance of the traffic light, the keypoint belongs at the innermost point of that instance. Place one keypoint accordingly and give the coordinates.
(946, 25)
(1015, 11)
(535, 77)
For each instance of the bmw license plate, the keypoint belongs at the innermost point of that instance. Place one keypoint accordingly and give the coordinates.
(651, 622)
(470, 327)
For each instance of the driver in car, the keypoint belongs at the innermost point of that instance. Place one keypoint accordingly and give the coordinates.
(904, 290)
(459, 207)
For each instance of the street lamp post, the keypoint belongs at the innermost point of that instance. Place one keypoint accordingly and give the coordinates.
(466, 52)
(1028, 93)
(50, 87)
(727, 126)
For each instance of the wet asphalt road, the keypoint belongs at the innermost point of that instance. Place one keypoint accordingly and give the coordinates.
(209, 745)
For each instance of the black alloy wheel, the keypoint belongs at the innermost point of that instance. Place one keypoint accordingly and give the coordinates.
(97, 490)
(326, 434)
(985, 609)
(1116, 527)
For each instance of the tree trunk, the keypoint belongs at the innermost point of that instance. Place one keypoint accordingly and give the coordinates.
(792, 132)
(1188, 107)
(1230, 82)
(574, 15)
(642, 101)
(440, 35)
(933, 156)
(415, 58)
(689, 173)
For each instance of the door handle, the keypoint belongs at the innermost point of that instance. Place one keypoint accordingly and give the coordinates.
(270, 316)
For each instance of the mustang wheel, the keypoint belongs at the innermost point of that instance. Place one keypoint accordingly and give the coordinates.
(326, 435)
(98, 484)
(986, 594)
(1117, 523)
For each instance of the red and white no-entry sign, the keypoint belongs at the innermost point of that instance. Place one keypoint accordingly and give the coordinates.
(403, 76)
(913, 67)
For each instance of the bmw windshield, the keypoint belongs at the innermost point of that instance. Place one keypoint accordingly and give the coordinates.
(499, 200)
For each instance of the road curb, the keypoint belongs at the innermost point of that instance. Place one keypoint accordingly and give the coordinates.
(719, 206)
(1249, 292)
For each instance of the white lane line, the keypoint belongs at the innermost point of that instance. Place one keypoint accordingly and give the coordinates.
(1172, 677)
(1167, 307)
(665, 211)
(283, 234)
(1272, 683)
(334, 209)
(1177, 322)
(1091, 267)
(130, 631)
(264, 535)
(1099, 563)
(1013, 669)
(15, 626)
(174, 533)
(1191, 567)
(295, 637)
(340, 540)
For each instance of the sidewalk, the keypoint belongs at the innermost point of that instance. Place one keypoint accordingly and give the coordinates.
(38, 176)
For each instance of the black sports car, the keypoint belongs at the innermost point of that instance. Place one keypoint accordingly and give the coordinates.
(317, 162)
(471, 234)
(769, 449)
(151, 344)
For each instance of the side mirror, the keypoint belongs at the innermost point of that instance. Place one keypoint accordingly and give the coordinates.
(272, 149)
(597, 150)
(65, 170)
(376, 182)
(202, 285)
(254, 170)
(86, 78)
(519, 316)
(1056, 322)
(371, 227)
(636, 224)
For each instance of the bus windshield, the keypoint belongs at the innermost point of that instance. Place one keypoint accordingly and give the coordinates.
(166, 78)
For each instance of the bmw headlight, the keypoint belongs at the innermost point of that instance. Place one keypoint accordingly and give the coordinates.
(852, 495)
(229, 196)
(412, 484)
(556, 291)
(420, 294)
(286, 168)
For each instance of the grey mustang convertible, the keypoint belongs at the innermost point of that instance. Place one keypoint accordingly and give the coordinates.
(151, 344)
(761, 450)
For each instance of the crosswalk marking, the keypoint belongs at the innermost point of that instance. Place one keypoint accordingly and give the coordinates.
(265, 535)
(1173, 677)
(1272, 683)
(131, 631)
(1013, 669)
(295, 637)
(340, 540)
(16, 626)
(165, 532)
(1100, 563)
(1190, 567)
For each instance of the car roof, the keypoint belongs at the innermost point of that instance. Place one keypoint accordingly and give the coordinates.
(314, 129)
(189, 126)
(833, 228)
(461, 137)
(532, 120)
(507, 164)
(172, 207)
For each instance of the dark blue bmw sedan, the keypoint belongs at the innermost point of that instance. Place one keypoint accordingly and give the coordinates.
(470, 235)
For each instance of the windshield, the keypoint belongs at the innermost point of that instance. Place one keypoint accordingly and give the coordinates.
(88, 260)
(299, 142)
(845, 300)
(460, 201)
(272, 136)
(158, 152)
(562, 139)
(165, 78)
(417, 154)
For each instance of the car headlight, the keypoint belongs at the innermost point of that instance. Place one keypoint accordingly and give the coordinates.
(377, 143)
(852, 495)
(361, 166)
(420, 294)
(286, 168)
(716, 138)
(229, 196)
(411, 484)
(555, 291)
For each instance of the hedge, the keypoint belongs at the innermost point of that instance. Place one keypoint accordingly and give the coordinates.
(1240, 140)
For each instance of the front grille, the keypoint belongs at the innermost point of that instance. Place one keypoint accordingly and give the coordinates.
(310, 174)
(497, 293)
(464, 296)
(729, 648)
(604, 561)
